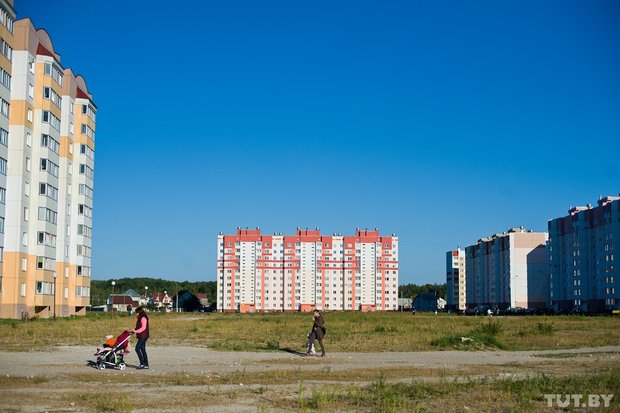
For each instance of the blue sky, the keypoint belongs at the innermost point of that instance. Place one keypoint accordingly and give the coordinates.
(440, 121)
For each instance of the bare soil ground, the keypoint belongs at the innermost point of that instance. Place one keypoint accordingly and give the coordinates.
(200, 379)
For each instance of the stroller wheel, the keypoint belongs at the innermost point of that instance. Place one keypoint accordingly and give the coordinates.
(122, 366)
(101, 366)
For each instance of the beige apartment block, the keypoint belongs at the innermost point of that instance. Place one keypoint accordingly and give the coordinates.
(47, 188)
(508, 270)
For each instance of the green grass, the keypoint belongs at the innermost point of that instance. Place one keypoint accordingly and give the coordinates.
(483, 395)
(347, 331)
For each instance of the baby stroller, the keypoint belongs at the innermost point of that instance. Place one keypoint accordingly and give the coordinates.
(113, 351)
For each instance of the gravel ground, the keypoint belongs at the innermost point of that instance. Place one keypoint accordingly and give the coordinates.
(64, 388)
(73, 359)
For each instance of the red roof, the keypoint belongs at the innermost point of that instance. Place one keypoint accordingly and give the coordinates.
(43, 51)
(122, 299)
(82, 95)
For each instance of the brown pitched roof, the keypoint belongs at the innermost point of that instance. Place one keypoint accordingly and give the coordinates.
(122, 299)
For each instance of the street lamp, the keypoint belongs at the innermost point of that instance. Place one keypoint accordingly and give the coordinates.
(112, 297)
(54, 275)
(146, 297)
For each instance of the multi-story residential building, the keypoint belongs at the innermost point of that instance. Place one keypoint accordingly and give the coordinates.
(582, 249)
(307, 270)
(455, 279)
(508, 270)
(46, 192)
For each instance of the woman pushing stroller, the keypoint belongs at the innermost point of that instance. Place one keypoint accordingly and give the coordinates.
(142, 333)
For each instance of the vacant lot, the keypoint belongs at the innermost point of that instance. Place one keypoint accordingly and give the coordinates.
(347, 332)
(376, 362)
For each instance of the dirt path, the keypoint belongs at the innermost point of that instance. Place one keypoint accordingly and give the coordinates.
(66, 360)
(62, 379)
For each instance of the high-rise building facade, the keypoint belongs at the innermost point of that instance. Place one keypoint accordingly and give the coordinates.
(307, 270)
(455, 279)
(508, 270)
(46, 178)
(583, 247)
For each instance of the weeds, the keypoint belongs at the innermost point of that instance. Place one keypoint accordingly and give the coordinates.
(484, 394)
(348, 331)
(545, 327)
(485, 335)
(102, 402)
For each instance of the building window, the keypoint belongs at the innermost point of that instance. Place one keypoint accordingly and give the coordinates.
(5, 79)
(50, 167)
(51, 143)
(54, 72)
(85, 190)
(4, 107)
(86, 130)
(86, 150)
(85, 210)
(45, 288)
(45, 238)
(50, 94)
(48, 117)
(4, 137)
(49, 191)
(86, 170)
(84, 230)
(6, 49)
(46, 214)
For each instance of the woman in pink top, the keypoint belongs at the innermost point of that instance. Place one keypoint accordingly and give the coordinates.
(142, 333)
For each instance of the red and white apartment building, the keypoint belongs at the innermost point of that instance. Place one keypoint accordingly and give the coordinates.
(301, 272)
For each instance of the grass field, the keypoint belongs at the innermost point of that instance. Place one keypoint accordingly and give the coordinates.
(292, 386)
(346, 331)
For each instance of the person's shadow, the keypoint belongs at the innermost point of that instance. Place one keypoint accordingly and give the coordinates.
(291, 351)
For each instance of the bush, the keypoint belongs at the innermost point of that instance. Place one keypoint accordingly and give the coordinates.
(545, 327)
(492, 328)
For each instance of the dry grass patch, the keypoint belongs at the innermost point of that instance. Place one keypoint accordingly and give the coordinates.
(347, 331)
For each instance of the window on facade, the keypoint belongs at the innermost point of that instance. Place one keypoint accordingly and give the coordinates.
(4, 107)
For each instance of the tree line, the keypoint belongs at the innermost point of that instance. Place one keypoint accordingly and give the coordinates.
(413, 290)
(101, 289)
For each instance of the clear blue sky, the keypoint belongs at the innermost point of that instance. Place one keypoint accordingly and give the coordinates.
(440, 121)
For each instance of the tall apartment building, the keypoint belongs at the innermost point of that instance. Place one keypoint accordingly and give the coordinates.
(47, 142)
(508, 270)
(582, 249)
(455, 279)
(307, 270)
